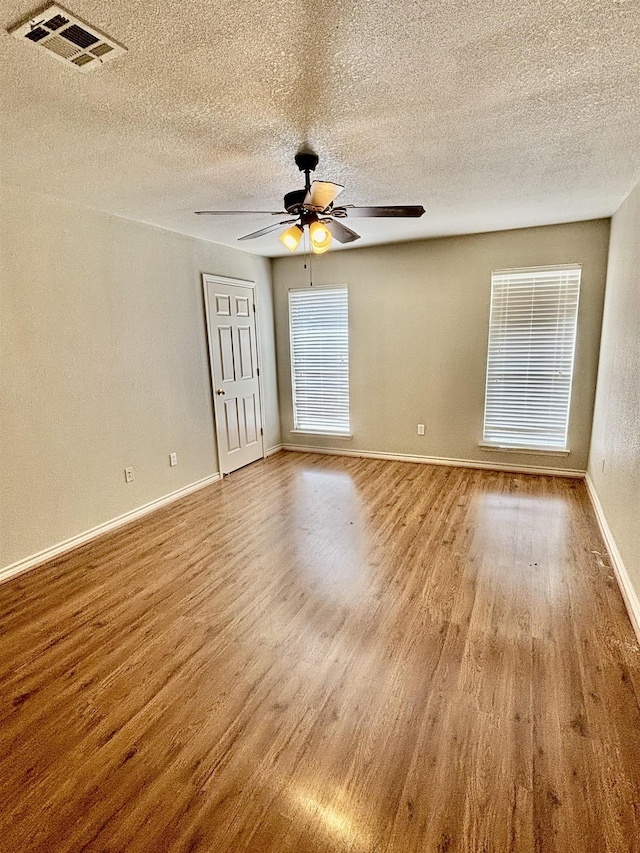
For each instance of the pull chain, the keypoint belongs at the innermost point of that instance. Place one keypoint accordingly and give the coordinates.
(308, 260)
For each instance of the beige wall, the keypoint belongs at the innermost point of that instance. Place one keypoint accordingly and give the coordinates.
(614, 465)
(104, 364)
(419, 316)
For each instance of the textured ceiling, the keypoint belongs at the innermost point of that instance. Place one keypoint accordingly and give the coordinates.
(491, 114)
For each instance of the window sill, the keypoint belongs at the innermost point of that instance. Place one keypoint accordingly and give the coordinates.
(320, 432)
(533, 451)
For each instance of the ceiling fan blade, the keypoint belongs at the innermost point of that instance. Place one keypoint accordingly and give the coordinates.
(239, 212)
(321, 194)
(340, 231)
(398, 210)
(266, 230)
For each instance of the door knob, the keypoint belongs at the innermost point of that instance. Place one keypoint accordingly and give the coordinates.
(220, 391)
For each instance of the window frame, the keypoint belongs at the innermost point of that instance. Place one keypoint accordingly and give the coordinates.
(539, 447)
(305, 430)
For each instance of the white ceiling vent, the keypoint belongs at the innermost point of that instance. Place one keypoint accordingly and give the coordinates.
(67, 38)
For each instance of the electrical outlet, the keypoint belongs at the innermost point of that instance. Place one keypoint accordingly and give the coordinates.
(420, 429)
(173, 459)
(129, 476)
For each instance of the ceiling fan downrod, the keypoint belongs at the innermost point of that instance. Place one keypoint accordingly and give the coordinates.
(306, 161)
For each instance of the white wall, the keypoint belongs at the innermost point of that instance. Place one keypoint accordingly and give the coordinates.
(104, 364)
(418, 326)
(614, 465)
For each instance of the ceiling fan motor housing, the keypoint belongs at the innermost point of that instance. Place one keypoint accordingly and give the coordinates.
(293, 201)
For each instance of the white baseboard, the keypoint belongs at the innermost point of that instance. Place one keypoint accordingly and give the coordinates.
(629, 594)
(68, 544)
(438, 460)
(271, 450)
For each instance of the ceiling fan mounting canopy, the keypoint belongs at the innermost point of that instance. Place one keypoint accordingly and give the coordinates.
(313, 207)
(306, 161)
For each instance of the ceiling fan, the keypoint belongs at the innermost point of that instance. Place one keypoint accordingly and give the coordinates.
(313, 208)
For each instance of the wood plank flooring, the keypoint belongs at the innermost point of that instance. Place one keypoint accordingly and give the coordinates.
(325, 654)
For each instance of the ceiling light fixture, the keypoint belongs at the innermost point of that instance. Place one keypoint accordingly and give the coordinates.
(320, 237)
(291, 237)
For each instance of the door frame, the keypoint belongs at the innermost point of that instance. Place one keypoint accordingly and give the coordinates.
(212, 278)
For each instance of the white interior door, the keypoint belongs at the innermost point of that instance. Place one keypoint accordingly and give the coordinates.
(233, 353)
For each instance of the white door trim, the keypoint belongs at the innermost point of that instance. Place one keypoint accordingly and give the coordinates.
(211, 278)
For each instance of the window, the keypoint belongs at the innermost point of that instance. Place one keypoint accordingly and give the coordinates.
(532, 336)
(318, 321)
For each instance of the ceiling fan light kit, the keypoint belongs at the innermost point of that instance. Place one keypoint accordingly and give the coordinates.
(313, 208)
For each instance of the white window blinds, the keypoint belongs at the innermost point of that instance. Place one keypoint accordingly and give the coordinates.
(532, 335)
(318, 319)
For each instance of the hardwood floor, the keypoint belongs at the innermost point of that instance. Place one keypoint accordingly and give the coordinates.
(326, 654)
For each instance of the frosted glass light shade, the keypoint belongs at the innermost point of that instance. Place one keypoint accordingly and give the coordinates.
(291, 237)
(320, 237)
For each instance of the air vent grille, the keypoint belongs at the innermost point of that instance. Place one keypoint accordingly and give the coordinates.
(82, 59)
(68, 38)
(79, 36)
(101, 49)
(61, 47)
(56, 22)
(36, 34)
